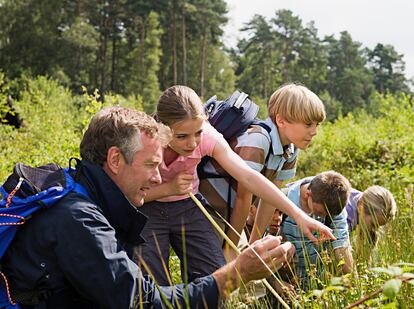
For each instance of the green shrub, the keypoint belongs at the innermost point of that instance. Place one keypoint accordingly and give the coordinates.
(53, 122)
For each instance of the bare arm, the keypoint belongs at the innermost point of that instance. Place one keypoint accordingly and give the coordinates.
(265, 189)
(239, 213)
(263, 217)
(346, 254)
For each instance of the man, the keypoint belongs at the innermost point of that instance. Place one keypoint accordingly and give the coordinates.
(76, 254)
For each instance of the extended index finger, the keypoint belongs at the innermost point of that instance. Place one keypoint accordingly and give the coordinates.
(325, 233)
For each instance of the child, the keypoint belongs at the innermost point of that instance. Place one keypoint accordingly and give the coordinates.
(272, 229)
(174, 219)
(369, 210)
(324, 196)
(294, 115)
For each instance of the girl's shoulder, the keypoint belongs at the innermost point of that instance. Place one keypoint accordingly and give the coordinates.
(209, 138)
(210, 131)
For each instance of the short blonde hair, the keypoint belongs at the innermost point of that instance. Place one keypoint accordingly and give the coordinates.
(378, 200)
(296, 103)
(179, 103)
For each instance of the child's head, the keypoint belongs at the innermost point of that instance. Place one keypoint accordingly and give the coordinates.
(296, 111)
(328, 193)
(377, 207)
(296, 103)
(180, 108)
(179, 103)
(274, 225)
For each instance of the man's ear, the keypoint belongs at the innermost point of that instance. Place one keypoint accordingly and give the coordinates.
(114, 159)
(280, 121)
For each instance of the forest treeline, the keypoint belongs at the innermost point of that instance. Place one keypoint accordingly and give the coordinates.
(138, 48)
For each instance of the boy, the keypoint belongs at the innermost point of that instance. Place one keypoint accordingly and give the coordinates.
(294, 114)
(272, 229)
(324, 196)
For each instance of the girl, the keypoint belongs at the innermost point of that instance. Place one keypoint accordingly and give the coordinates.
(174, 219)
(368, 211)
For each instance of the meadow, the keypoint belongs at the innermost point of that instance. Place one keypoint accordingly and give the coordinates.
(368, 147)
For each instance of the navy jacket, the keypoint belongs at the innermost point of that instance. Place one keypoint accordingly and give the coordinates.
(74, 255)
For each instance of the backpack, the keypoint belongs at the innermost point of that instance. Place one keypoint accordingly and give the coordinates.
(25, 191)
(231, 117)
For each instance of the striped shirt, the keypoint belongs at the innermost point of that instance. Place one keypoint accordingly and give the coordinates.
(306, 251)
(253, 147)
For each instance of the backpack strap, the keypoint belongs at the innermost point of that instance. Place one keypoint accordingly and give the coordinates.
(268, 130)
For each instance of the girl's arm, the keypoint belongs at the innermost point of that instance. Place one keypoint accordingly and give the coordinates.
(266, 190)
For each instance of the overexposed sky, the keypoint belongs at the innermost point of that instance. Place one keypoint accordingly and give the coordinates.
(368, 21)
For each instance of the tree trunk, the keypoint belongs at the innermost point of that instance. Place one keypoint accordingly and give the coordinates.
(264, 89)
(103, 59)
(113, 70)
(102, 56)
(203, 62)
(183, 35)
(174, 44)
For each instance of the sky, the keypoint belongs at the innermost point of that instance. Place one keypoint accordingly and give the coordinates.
(368, 21)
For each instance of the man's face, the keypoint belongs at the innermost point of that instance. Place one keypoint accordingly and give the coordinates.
(136, 178)
(186, 136)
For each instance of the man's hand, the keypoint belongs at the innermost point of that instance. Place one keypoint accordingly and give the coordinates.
(307, 224)
(247, 266)
(271, 251)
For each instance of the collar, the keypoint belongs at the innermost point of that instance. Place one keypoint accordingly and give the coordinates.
(293, 189)
(277, 147)
(125, 218)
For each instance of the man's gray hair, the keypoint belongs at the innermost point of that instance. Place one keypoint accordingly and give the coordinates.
(121, 127)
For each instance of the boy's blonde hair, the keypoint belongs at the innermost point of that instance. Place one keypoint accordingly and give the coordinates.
(179, 103)
(296, 103)
(378, 200)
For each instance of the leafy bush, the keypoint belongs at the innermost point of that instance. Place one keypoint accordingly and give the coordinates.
(53, 122)
(367, 149)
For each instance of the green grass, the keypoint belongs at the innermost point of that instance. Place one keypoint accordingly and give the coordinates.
(376, 148)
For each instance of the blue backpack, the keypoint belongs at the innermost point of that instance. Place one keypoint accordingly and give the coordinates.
(231, 117)
(25, 191)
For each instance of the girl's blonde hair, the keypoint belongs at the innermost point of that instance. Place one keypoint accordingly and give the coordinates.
(296, 103)
(375, 201)
(179, 103)
(378, 200)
